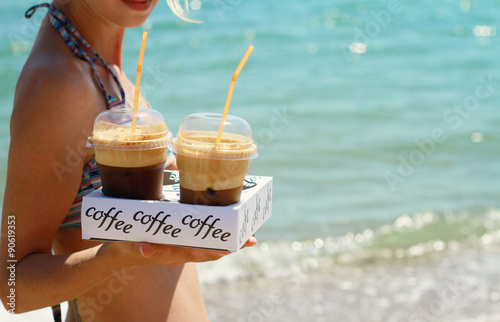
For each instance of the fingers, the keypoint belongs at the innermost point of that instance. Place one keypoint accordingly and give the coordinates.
(145, 253)
(252, 241)
(174, 255)
(144, 249)
(198, 255)
(210, 255)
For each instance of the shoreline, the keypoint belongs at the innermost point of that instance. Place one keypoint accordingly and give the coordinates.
(462, 286)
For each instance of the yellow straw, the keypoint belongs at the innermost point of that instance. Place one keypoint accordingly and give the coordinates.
(230, 93)
(138, 80)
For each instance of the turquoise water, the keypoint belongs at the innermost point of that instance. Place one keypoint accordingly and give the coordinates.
(378, 123)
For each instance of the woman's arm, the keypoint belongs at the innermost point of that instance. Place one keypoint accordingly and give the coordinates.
(51, 119)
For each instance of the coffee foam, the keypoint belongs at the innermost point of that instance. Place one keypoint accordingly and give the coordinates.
(130, 158)
(116, 145)
(202, 145)
(110, 131)
(113, 136)
(200, 174)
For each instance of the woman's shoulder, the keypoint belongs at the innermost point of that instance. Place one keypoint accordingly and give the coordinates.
(55, 96)
(55, 74)
(54, 84)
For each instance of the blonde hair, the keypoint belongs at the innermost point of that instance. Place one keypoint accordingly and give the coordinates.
(181, 10)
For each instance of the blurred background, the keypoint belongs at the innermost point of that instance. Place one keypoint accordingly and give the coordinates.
(378, 121)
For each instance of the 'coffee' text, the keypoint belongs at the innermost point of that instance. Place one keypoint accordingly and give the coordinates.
(99, 215)
(207, 225)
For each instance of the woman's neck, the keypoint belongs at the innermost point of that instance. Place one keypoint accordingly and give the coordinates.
(103, 36)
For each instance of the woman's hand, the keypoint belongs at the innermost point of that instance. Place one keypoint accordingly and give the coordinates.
(142, 253)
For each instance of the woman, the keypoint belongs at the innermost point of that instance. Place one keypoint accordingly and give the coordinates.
(72, 74)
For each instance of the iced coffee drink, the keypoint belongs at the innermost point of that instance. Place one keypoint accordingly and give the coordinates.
(212, 173)
(131, 164)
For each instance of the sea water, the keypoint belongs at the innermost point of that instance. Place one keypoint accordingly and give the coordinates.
(378, 121)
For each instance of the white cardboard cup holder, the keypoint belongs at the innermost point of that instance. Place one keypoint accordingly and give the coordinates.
(170, 222)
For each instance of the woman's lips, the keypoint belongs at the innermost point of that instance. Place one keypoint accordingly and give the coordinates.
(139, 5)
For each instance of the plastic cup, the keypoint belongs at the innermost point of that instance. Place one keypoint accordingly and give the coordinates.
(131, 164)
(212, 173)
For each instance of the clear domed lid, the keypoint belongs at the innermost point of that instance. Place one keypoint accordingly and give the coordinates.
(113, 130)
(198, 132)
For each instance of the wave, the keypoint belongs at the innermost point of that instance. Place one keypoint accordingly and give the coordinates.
(409, 236)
